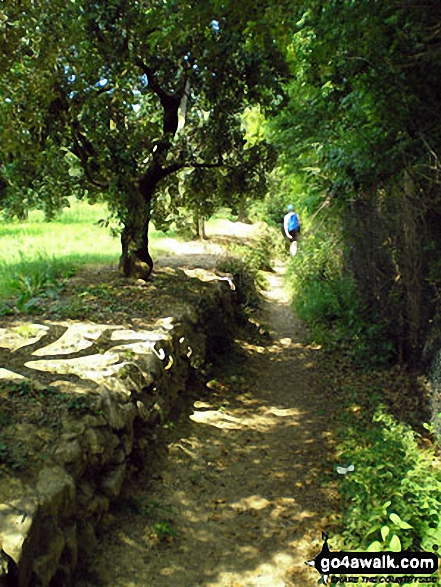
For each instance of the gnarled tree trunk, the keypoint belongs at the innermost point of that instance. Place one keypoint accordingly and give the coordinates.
(135, 260)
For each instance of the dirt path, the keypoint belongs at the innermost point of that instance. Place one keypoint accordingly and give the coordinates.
(238, 500)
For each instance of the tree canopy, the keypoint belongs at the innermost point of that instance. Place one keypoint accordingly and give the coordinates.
(124, 101)
(364, 101)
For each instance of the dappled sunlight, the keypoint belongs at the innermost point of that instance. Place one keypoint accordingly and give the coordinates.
(238, 230)
(187, 248)
(94, 353)
(165, 271)
(205, 253)
(240, 493)
(252, 502)
(9, 375)
(201, 274)
(20, 334)
(264, 420)
(217, 419)
(238, 501)
(276, 347)
(237, 538)
(77, 337)
(284, 412)
(231, 484)
(252, 347)
(242, 485)
(97, 368)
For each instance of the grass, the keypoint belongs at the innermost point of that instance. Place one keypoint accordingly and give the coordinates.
(36, 255)
(35, 249)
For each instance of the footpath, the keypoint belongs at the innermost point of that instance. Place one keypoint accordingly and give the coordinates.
(239, 498)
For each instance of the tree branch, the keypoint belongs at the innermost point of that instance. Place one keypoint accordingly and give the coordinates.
(84, 150)
(156, 173)
(152, 81)
(81, 147)
(170, 102)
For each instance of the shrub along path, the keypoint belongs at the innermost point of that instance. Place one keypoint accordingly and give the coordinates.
(239, 498)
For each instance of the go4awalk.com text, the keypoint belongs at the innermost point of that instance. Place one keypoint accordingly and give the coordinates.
(399, 568)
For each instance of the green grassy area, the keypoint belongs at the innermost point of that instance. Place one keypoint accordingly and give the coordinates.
(36, 250)
(36, 254)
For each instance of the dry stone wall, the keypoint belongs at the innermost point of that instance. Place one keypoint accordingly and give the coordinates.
(109, 388)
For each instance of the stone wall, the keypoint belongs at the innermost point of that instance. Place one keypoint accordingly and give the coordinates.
(130, 381)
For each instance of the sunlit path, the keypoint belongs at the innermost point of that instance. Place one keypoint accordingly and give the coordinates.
(239, 497)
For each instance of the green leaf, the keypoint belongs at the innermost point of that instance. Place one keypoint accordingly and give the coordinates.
(405, 526)
(373, 530)
(375, 547)
(395, 544)
(395, 518)
(399, 522)
(384, 532)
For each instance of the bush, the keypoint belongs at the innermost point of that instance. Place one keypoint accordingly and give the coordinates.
(271, 209)
(261, 253)
(392, 498)
(245, 279)
(283, 190)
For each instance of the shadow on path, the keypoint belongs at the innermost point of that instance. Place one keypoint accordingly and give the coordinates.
(238, 502)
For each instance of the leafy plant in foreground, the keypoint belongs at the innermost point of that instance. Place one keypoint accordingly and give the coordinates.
(392, 499)
(36, 280)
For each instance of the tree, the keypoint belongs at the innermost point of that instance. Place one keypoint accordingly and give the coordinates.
(113, 100)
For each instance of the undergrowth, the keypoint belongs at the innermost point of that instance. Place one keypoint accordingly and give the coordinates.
(33, 281)
(390, 478)
(246, 263)
(326, 298)
(246, 281)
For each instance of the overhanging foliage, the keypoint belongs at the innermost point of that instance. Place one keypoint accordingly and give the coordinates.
(111, 100)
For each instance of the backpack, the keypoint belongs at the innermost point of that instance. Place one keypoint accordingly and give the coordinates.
(293, 222)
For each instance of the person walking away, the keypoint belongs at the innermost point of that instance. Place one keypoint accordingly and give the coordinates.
(291, 226)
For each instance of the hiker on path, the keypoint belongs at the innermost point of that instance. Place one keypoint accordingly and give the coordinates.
(291, 226)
